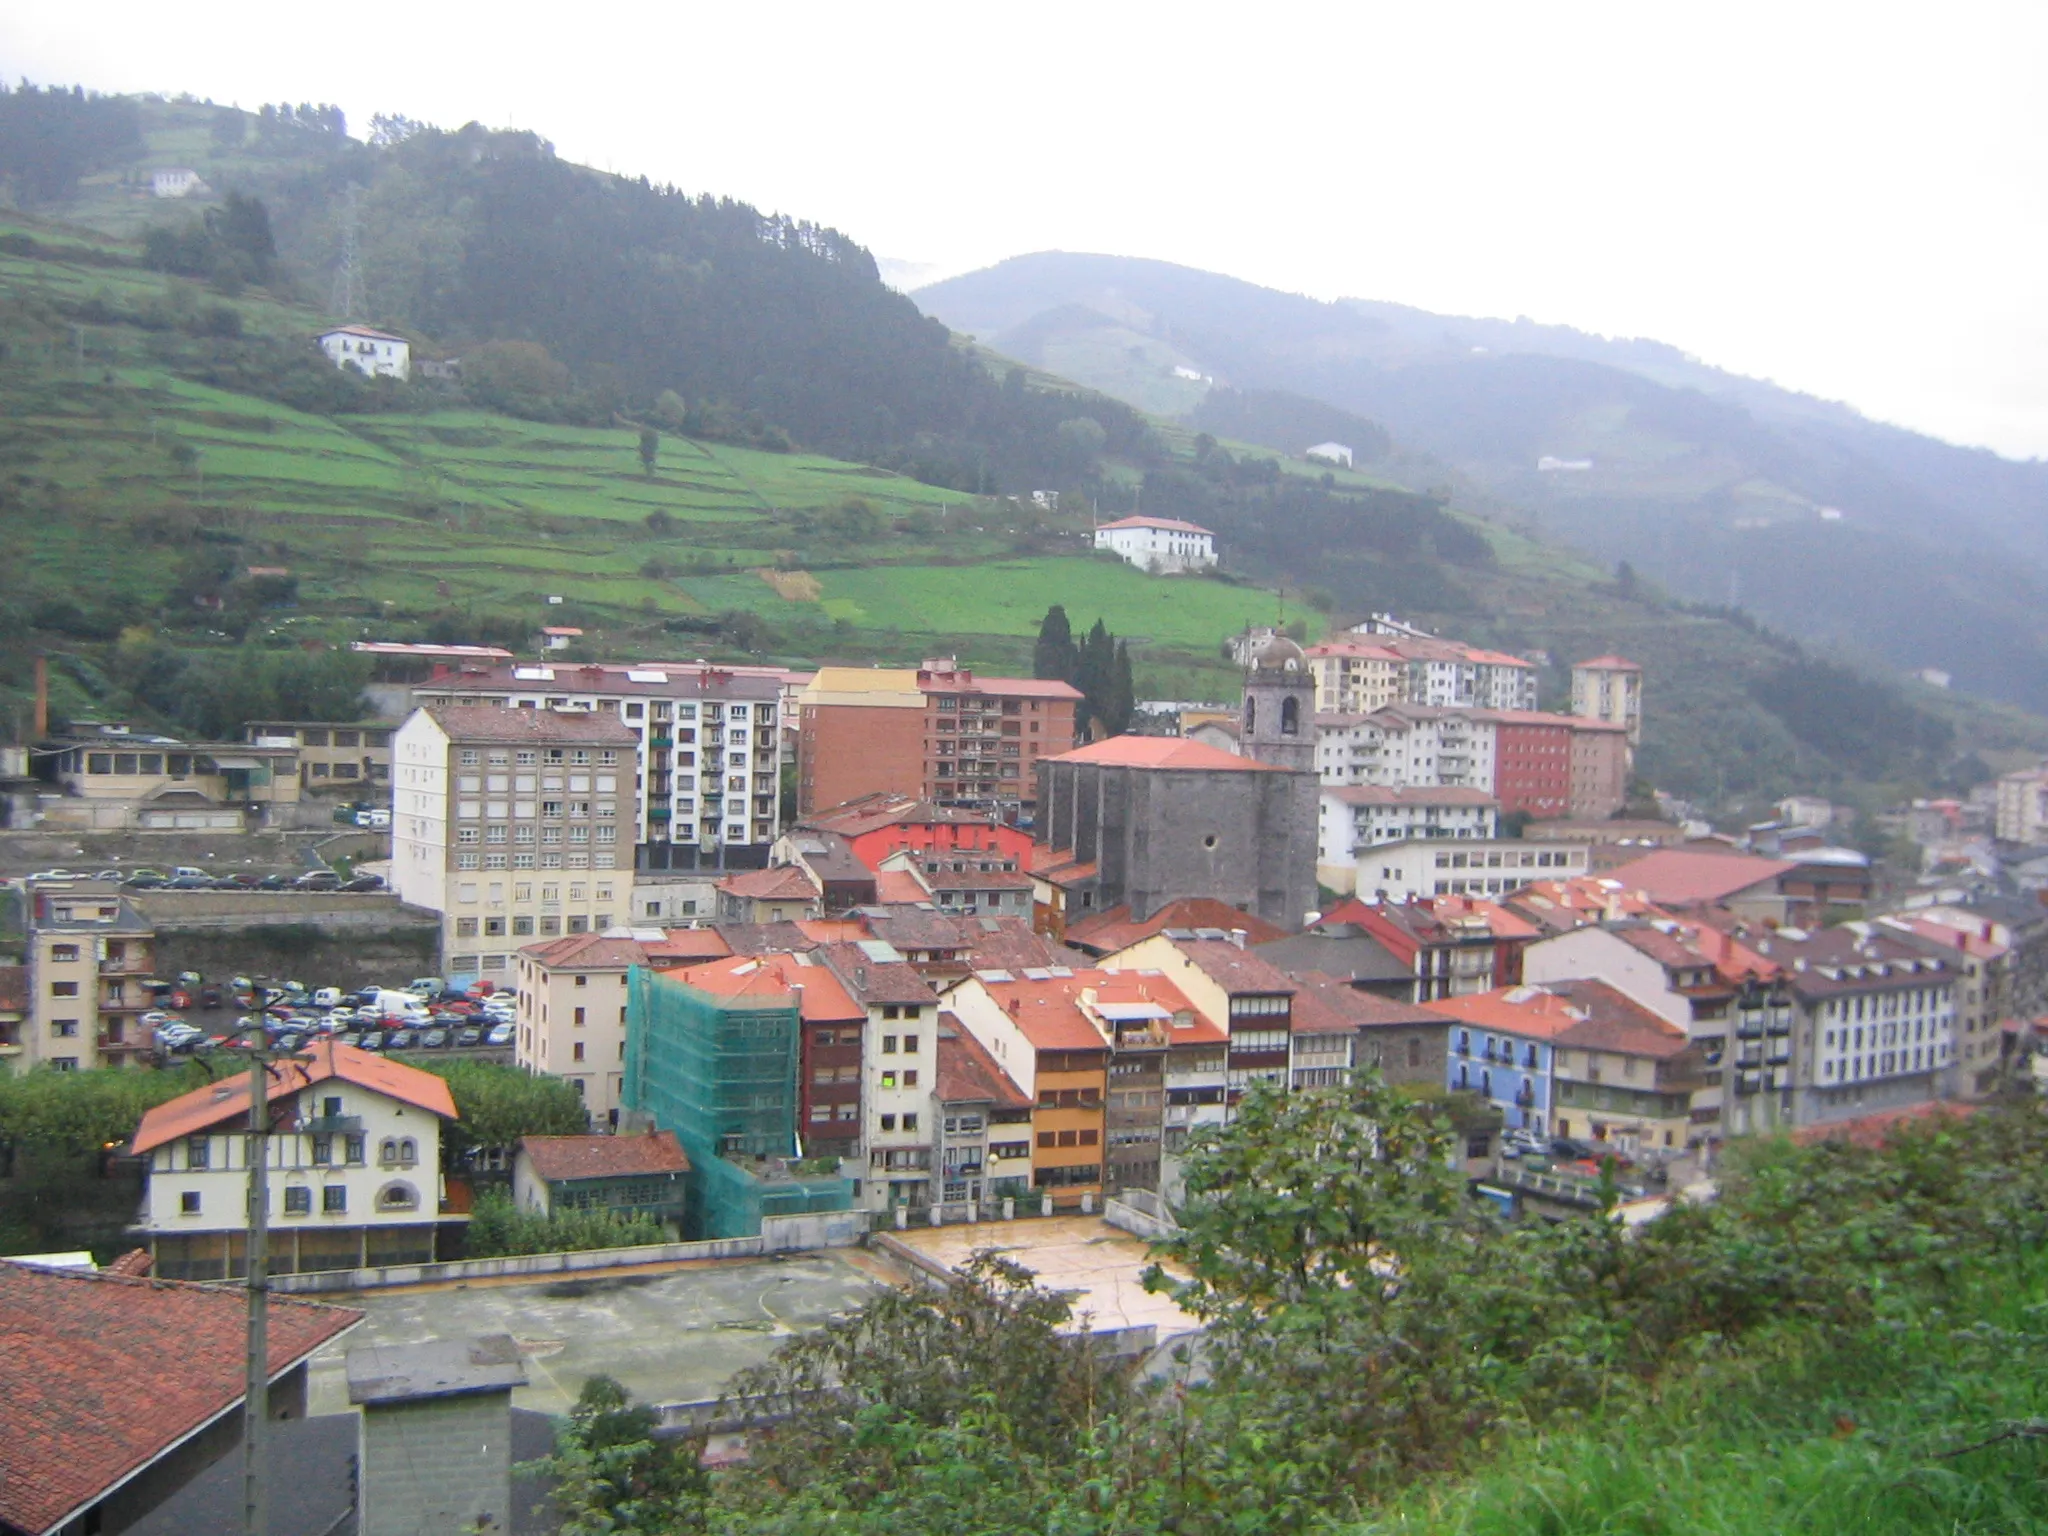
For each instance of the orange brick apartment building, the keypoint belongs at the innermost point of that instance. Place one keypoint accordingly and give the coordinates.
(939, 732)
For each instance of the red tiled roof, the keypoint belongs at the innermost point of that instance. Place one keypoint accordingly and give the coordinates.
(1355, 1008)
(1176, 753)
(1685, 876)
(1588, 1014)
(570, 727)
(820, 998)
(968, 1074)
(784, 882)
(869, 981)
(681, 945)
(1234, 969)
(587, 952)
(900, 888)
(559, 1159)
(101, 1374)
(1045, 1012)
(1115, 928)
(1874, 1130)
(228, 1099)
(741, 975)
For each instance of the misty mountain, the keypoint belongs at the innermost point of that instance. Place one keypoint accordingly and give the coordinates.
(1909, 551)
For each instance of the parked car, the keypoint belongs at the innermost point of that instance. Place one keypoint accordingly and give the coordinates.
(145, 880)
(398, 1040)
(318, 880)
(375, 816)
(189, 883)
(290, 1040)
(469, 1035)
(364, 883)
(434, 1038)
(274, 883)
(373, 1040)
(180, 871)
(501, 1034)
(108, 874)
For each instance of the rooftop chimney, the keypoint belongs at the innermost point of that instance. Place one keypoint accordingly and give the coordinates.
(1238, 936)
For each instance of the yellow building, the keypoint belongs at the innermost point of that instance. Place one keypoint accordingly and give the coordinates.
(1610, 688)
(1356, 677)
(89, 953)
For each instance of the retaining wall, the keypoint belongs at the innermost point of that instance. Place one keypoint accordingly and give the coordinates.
(779, 1234)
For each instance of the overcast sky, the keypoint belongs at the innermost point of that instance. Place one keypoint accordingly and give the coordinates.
(1848, 198)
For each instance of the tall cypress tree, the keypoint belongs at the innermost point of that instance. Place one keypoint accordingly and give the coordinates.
(1097, 661)
(1122, 702)
(1053, 657)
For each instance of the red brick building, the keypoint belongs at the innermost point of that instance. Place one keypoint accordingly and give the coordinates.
(940, 733)
(1532, 762)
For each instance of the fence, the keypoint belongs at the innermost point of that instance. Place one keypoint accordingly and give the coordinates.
(779, 1234)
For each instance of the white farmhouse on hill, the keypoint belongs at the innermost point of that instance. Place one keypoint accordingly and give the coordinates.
(176, 181)
(377, 353)
(1163, 545)
(1329, 453)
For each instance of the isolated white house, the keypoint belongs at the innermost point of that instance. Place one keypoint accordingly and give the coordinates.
(1330, 453)
(1163, 545)
(175, 181)
(377, 353)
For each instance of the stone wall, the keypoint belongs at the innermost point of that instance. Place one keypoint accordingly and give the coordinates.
(439, 1464)
(347, 941)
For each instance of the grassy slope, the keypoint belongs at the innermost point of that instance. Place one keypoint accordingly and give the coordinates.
(1795, 1438)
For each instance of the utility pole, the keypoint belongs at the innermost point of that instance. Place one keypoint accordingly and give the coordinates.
(256, 1399)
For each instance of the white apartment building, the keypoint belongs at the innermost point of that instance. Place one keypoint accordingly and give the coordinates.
(1421, 868)
(1360, 816)
(707, 746)
(899, 1069)
(1360, 673)
(1407, 746)
(1162, 545)
(354, 1168)
(2022, 811)
(508, 823)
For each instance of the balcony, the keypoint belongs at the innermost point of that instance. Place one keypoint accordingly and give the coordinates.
(124, 967)
(658, 813)
(333, 1125)
(663, 739)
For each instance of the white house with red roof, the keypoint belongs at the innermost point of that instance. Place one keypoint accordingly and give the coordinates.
(377, 353)
(1165, 546)
(354, 1174)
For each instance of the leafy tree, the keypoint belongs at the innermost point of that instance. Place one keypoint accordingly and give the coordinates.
(650, 449)
(1053, 657)
(1121, 702)
(614, 1473)
(1093, 666)
(517, 377)
(51, 136)
(498, 1104)
(929, 1357)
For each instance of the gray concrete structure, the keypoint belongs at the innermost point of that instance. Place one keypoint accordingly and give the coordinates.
(437, 1434)
(1163, 818)
(1276, 721)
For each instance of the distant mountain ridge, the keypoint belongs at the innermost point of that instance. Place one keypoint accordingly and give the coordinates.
(1912, 552)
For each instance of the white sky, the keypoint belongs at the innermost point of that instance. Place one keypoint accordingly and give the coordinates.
(1848, 198)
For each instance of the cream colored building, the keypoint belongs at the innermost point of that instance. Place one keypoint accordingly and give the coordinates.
(341, 759)
(1610, 688)
(354, 1169)
(572, 1015)
(2022, 814)
(89, 952)
(1356, 677)
(183, 785)
(508, 823)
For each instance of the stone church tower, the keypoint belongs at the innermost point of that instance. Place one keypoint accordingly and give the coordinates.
(1278, 724)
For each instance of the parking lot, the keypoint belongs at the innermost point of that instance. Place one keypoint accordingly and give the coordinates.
(196, 1016)
(674, 1335)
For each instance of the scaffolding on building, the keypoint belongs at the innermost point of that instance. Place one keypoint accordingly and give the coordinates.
(720, 1070)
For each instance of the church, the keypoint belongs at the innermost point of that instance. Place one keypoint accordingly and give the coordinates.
(1140, 821)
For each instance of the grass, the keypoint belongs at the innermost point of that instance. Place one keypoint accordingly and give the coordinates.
(1796, 1437)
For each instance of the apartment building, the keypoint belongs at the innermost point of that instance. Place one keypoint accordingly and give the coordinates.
(2021, 814)
(1451, 945)
(706, 749)
(1251, 998)
(1983, 952)
(89, 951)
(514, 825)
(1610, 689)
(984, 1120)
(1577, 1058)
(1422, 868)
(1359, 817)
(343, 760)
(899, 1069)
(1359, 673)
(1537, 764)
(938, 733)
(572, 1015)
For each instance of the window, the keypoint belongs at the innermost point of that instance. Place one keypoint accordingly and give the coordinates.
(888, 1122)
(188, 1203)
(910, 1044)
(323, 1150)
(334, 1200)
(889, 1041)
(63, 989)
(910, 1121)
(352, 1149)
(298, 1200)
(63, 951)
(577, 1053)
(65, 1028)
(910, 1078)
(888, 1079)
(198, 1152)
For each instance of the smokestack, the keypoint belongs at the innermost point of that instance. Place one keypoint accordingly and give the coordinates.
(42, 696)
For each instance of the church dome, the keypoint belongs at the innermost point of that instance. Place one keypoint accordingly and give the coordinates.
(1277, 653)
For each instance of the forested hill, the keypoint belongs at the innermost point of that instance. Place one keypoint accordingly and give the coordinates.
(1906, 551)
(762, 328)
